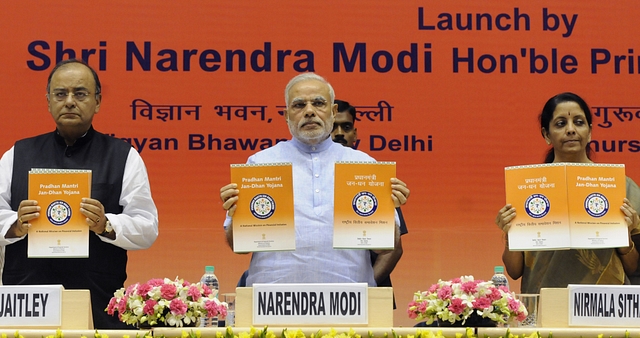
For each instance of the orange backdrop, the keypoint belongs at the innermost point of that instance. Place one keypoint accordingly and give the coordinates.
(465, 80)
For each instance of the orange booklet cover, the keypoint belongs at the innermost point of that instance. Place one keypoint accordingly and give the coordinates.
(61, 230)
(364, 214)
(566, 205)
(263, 220)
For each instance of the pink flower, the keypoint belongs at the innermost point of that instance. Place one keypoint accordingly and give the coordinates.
(457, 306)
(445, 292)
(222, 311)
(194, 292)
(494, 294)
(168, 291)
(482, 303)
(155, 282)
(469, 287)
(178, 307)
(112, 305)
(520, 316)
(122, 305)
(456, 280)
(513, 304)
(433, 288)
(412, 314)
(130, 289)
(416, 308)
(206, 290)
(144, 289)
(212, 308)
(422, 307)
(148, 307)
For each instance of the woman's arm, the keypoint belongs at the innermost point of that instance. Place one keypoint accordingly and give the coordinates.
(513, 260)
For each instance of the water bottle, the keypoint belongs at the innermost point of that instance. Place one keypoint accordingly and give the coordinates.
(499, 279)
(209, 279)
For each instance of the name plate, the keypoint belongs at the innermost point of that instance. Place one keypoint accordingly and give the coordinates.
(31, 305)
(604, 305)
(304, 304)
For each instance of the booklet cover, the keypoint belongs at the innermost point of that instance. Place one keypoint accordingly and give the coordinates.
(595, 194)
(364, 214)
(61, 231)
(566, 205)
(263, 220)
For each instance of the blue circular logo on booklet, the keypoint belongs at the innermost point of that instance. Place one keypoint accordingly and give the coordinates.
(537, 205)
(596, 205)
(262, 206)
(364, 203)
(59, 212)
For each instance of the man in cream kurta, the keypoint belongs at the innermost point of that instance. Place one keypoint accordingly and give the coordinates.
(310, 114)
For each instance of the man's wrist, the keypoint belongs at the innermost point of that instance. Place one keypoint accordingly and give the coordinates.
(108, 229)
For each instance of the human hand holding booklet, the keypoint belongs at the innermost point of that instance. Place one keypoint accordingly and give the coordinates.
(566, 205)
(61, 231)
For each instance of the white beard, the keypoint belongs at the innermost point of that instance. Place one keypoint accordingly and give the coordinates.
(314, 136)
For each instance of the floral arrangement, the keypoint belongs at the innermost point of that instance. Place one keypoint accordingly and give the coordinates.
(461, 298)
(287, 333)
(96, 334)
(165, 302)
(330, 333)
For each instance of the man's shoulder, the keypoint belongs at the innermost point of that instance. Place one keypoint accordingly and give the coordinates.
(112, 140)
(275, 150)
(350, 154)
(284, 149)
(41, 136)
(34, 139)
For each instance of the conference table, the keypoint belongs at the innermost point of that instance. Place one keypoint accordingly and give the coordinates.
(339, 332)
(552, 314)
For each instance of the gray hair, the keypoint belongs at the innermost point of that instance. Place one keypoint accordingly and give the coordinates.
(82, 62)
(304, 77)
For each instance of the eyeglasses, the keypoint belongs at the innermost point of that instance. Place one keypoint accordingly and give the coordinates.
(61, 95)
(318, 104)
